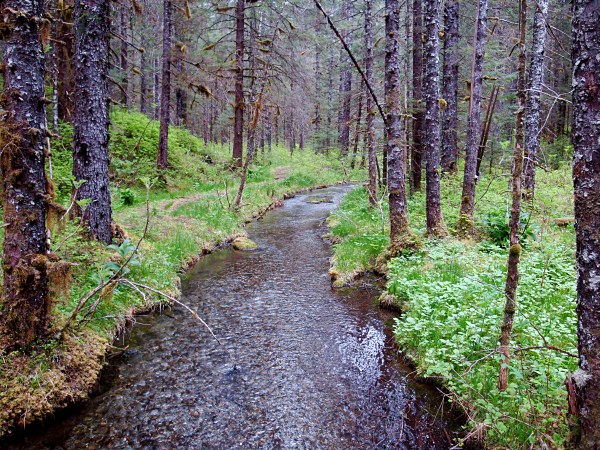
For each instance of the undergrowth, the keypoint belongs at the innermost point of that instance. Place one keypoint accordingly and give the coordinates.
(454, 291)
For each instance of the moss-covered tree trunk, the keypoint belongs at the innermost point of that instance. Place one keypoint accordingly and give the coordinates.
(238, 107)
(586, 177)
(465, 226)
(25, 301)
(514, 253)
(450, 87)
(90, 137)
(431, 93)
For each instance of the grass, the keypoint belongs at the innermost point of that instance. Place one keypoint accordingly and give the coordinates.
(453, 290)
(190, 214)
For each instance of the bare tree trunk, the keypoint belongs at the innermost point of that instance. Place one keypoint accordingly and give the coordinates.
(357, 130)
(156, 89)
(586, 177)
(345, 89)
(514, 252)
(25, 300)
(90, 137)
(124, 57)
(466, 225)
(372, 187)
(318, 74)
(165, 95)
(401, 236)
(433, 170)
(416, 153)
(450, 92)
(64, 49)
(536, 77)
(144, 74)
(238, 126)
(329, 103)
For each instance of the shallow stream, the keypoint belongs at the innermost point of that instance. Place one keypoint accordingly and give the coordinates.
(299, 366)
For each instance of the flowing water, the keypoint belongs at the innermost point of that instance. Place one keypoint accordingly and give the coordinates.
(299, 366)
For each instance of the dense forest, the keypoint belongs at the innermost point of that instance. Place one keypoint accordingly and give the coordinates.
(464, 138)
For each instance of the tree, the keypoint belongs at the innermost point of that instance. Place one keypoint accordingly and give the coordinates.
(534, 91)
(514, 252)
(416, 153)
(165, 93)
(435, 221)
(586, 179)
(450, 87)
(401, 236)
(90, 138)
(238, 108)
(345, 87)
(465, 226)
(372, 188)
(26, 300)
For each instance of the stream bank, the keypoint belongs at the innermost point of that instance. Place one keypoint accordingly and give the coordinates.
(300, 365)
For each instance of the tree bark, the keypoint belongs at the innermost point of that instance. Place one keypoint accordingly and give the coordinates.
(372, 187)
(514, 252)
(345, 89)
(416, 151)
(25, 301)
(165, 95)
(318, 75)
(238, 108)
(450, 83)
(466, 225)
(431, 88)
(400, 233)
(90, 137)
(586, 177)
(357, 130)
(66, 75)
(536, 77)
(124, 57)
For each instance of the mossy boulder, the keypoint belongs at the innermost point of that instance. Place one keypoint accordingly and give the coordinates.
(244, 244)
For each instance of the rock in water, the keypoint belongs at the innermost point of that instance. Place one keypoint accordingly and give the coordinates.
(244, 244)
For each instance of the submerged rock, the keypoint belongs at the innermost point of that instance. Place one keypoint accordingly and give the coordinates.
(244, 244)
(319, 199)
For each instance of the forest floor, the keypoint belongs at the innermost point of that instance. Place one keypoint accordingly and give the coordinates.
(189, 214)
(452, 297)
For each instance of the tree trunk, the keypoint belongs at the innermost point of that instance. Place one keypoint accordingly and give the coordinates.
(318, 148)
(165, 94)
(238, 109)
(345, 89)
(416, 153)
(124, 57)
(25, 300)
(586, 177)
(536, 76)
(400, 235)
(431, 88)
(357, 131)
(450, 92)
(514, 252)
(66, 75)
(465, 226)
(90, 136)
(144, 74)
(372, 187)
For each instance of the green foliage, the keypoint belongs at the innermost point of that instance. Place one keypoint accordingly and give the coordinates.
(455, 294)
(497, 229)
(127, 196)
